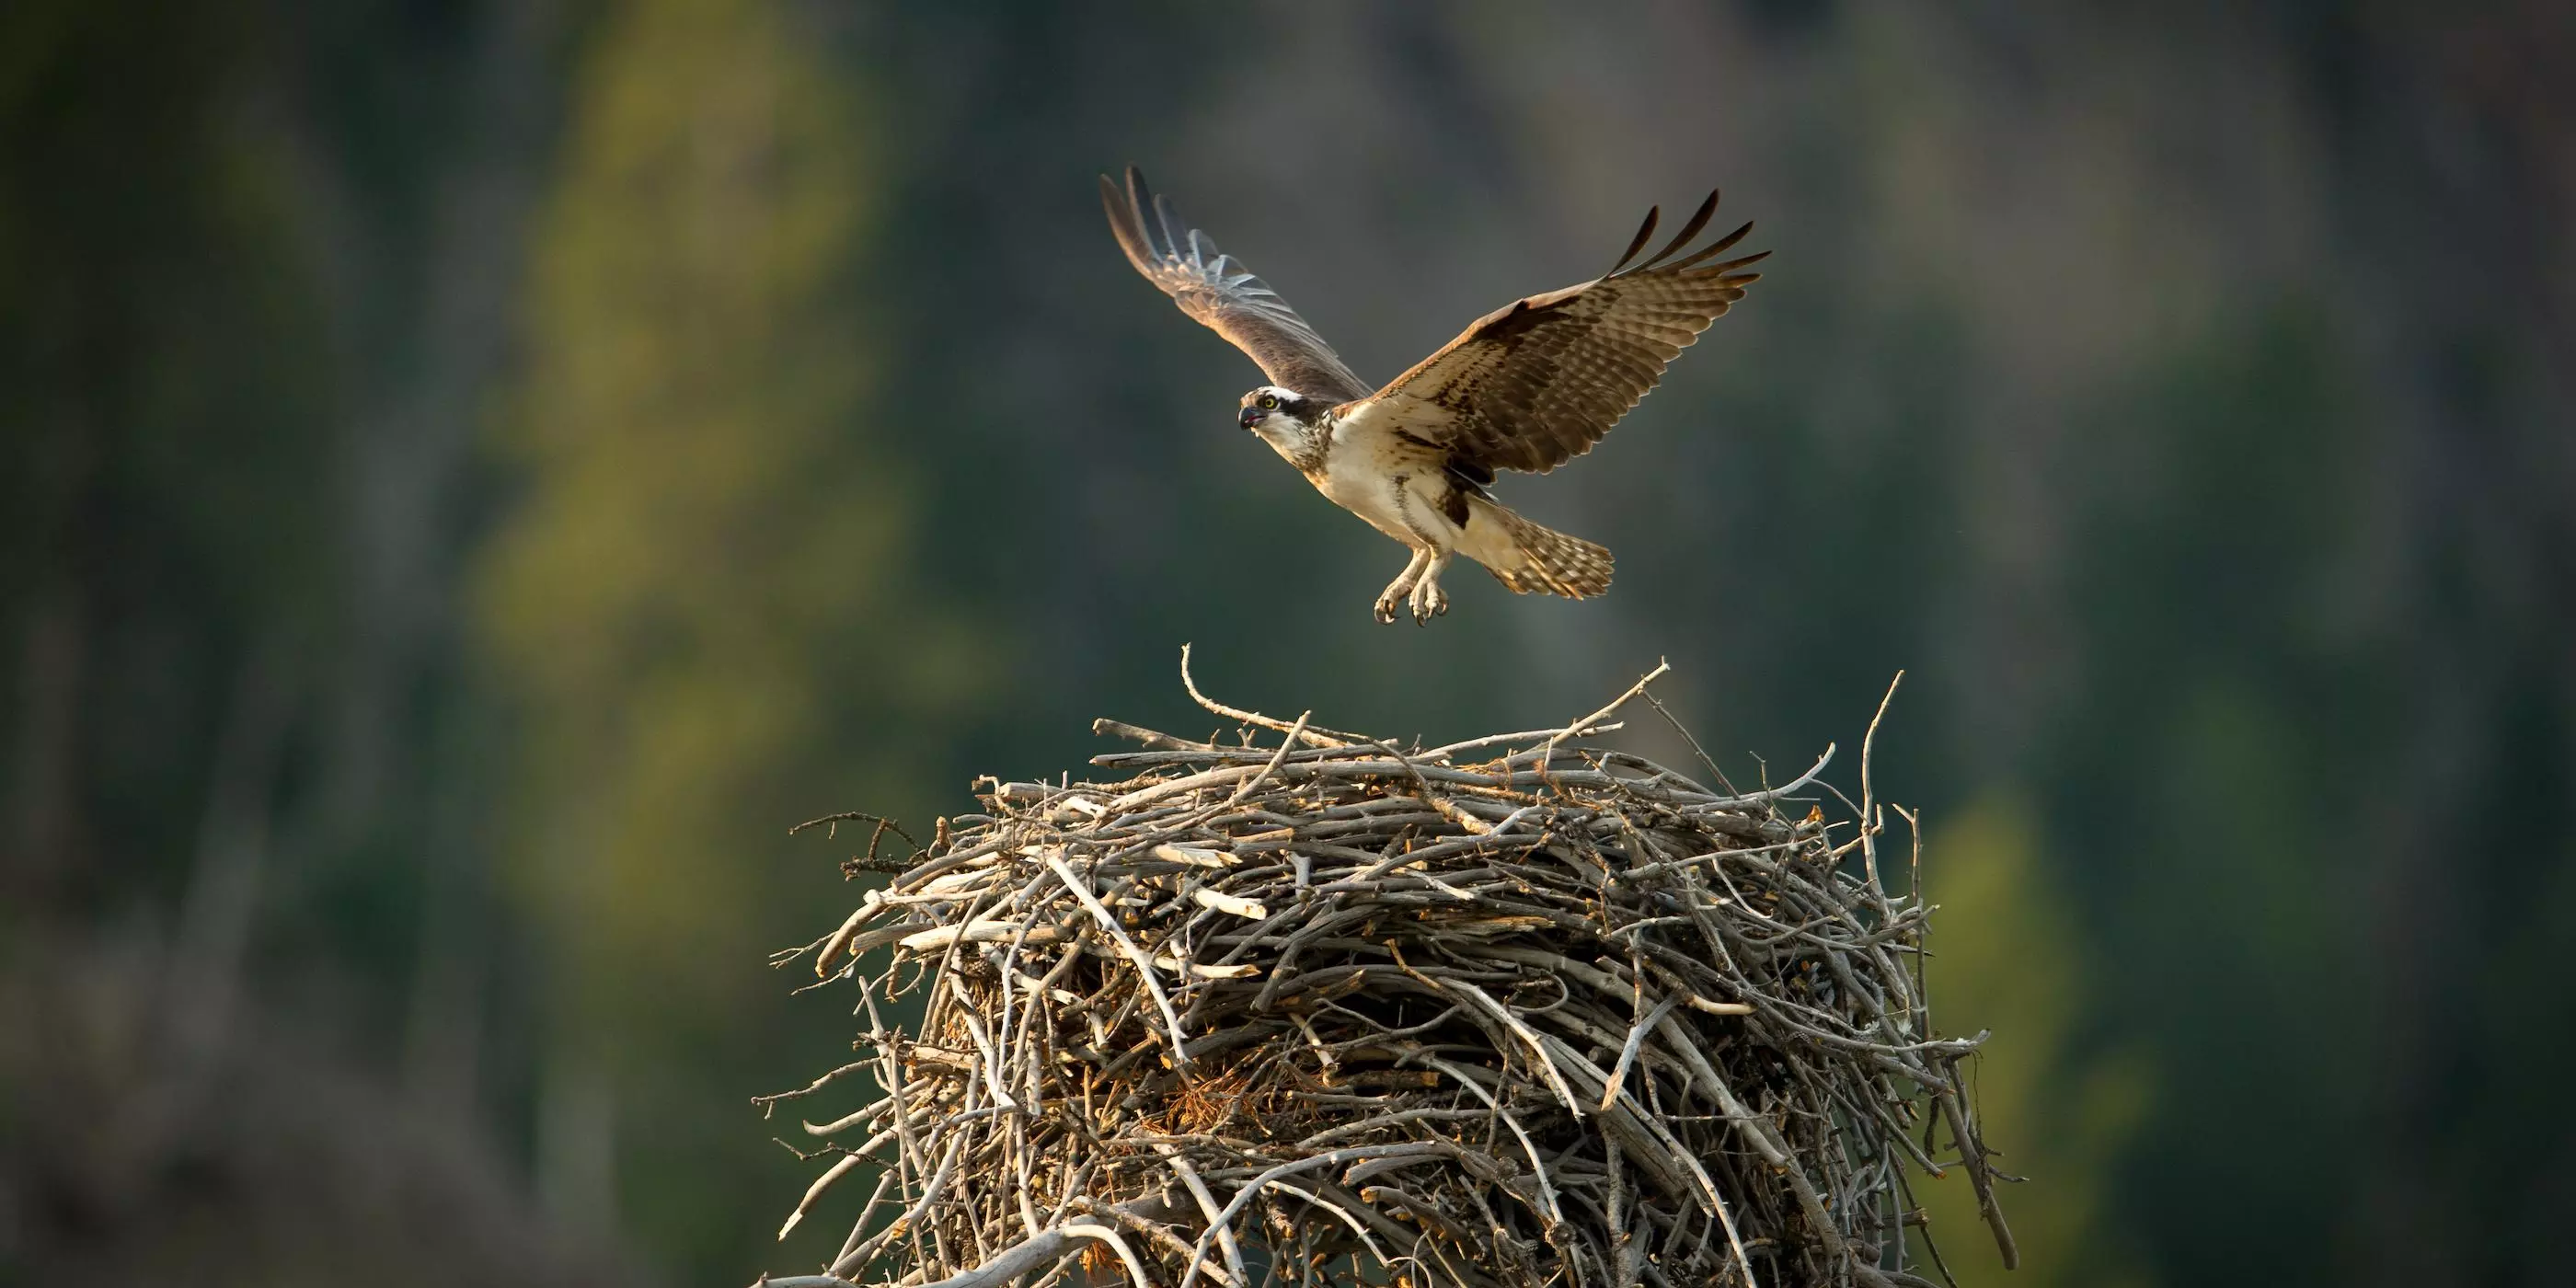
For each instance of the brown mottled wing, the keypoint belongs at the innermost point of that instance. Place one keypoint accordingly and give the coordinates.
(1536, 384)
(1216, 289)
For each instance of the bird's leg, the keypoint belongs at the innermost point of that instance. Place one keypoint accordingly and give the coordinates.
(1428, 601)
(1402, 586)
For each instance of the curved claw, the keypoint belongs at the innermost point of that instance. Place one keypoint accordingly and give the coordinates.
(1428, 600)
(1406, 586)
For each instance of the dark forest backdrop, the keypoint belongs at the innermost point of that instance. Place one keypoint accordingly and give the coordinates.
(472, 474)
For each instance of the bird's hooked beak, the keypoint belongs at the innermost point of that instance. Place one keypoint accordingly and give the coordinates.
(1251, 416)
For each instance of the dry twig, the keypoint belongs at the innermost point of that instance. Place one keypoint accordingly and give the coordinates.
(1331, 1010)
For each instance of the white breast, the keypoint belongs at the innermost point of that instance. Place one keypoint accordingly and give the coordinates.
(1370, 473)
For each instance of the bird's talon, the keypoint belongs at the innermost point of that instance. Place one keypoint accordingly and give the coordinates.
(1533, 385)
(1428, 601)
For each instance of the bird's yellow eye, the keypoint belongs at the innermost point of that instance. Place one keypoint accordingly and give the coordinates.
(1269, 401)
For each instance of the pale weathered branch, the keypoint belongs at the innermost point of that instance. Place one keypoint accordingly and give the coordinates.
(1561, 1016)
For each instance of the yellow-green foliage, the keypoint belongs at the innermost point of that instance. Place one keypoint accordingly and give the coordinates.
(2008, 955)
(695, 603)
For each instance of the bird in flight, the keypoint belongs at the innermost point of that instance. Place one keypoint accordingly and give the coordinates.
(1529, 387)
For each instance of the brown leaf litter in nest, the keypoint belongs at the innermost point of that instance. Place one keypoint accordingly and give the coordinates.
(1512, 1012)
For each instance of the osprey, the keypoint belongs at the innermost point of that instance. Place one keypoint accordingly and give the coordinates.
(1528, 387)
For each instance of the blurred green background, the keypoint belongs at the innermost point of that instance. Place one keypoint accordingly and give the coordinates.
(475, 473)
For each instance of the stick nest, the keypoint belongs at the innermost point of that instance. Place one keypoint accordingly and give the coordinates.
(1502, 1014)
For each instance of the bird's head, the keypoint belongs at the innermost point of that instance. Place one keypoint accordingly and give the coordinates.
(1283, 417)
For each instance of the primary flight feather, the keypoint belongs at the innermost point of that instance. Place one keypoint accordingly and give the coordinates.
(1527, 387)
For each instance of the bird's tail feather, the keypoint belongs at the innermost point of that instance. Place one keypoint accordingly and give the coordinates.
(1544, 560)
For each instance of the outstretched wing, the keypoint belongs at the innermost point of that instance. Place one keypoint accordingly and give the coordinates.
(1533, 385)
(1216, 289)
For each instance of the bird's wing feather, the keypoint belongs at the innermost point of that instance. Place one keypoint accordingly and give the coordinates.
(1216, 289)
(1535, 384)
